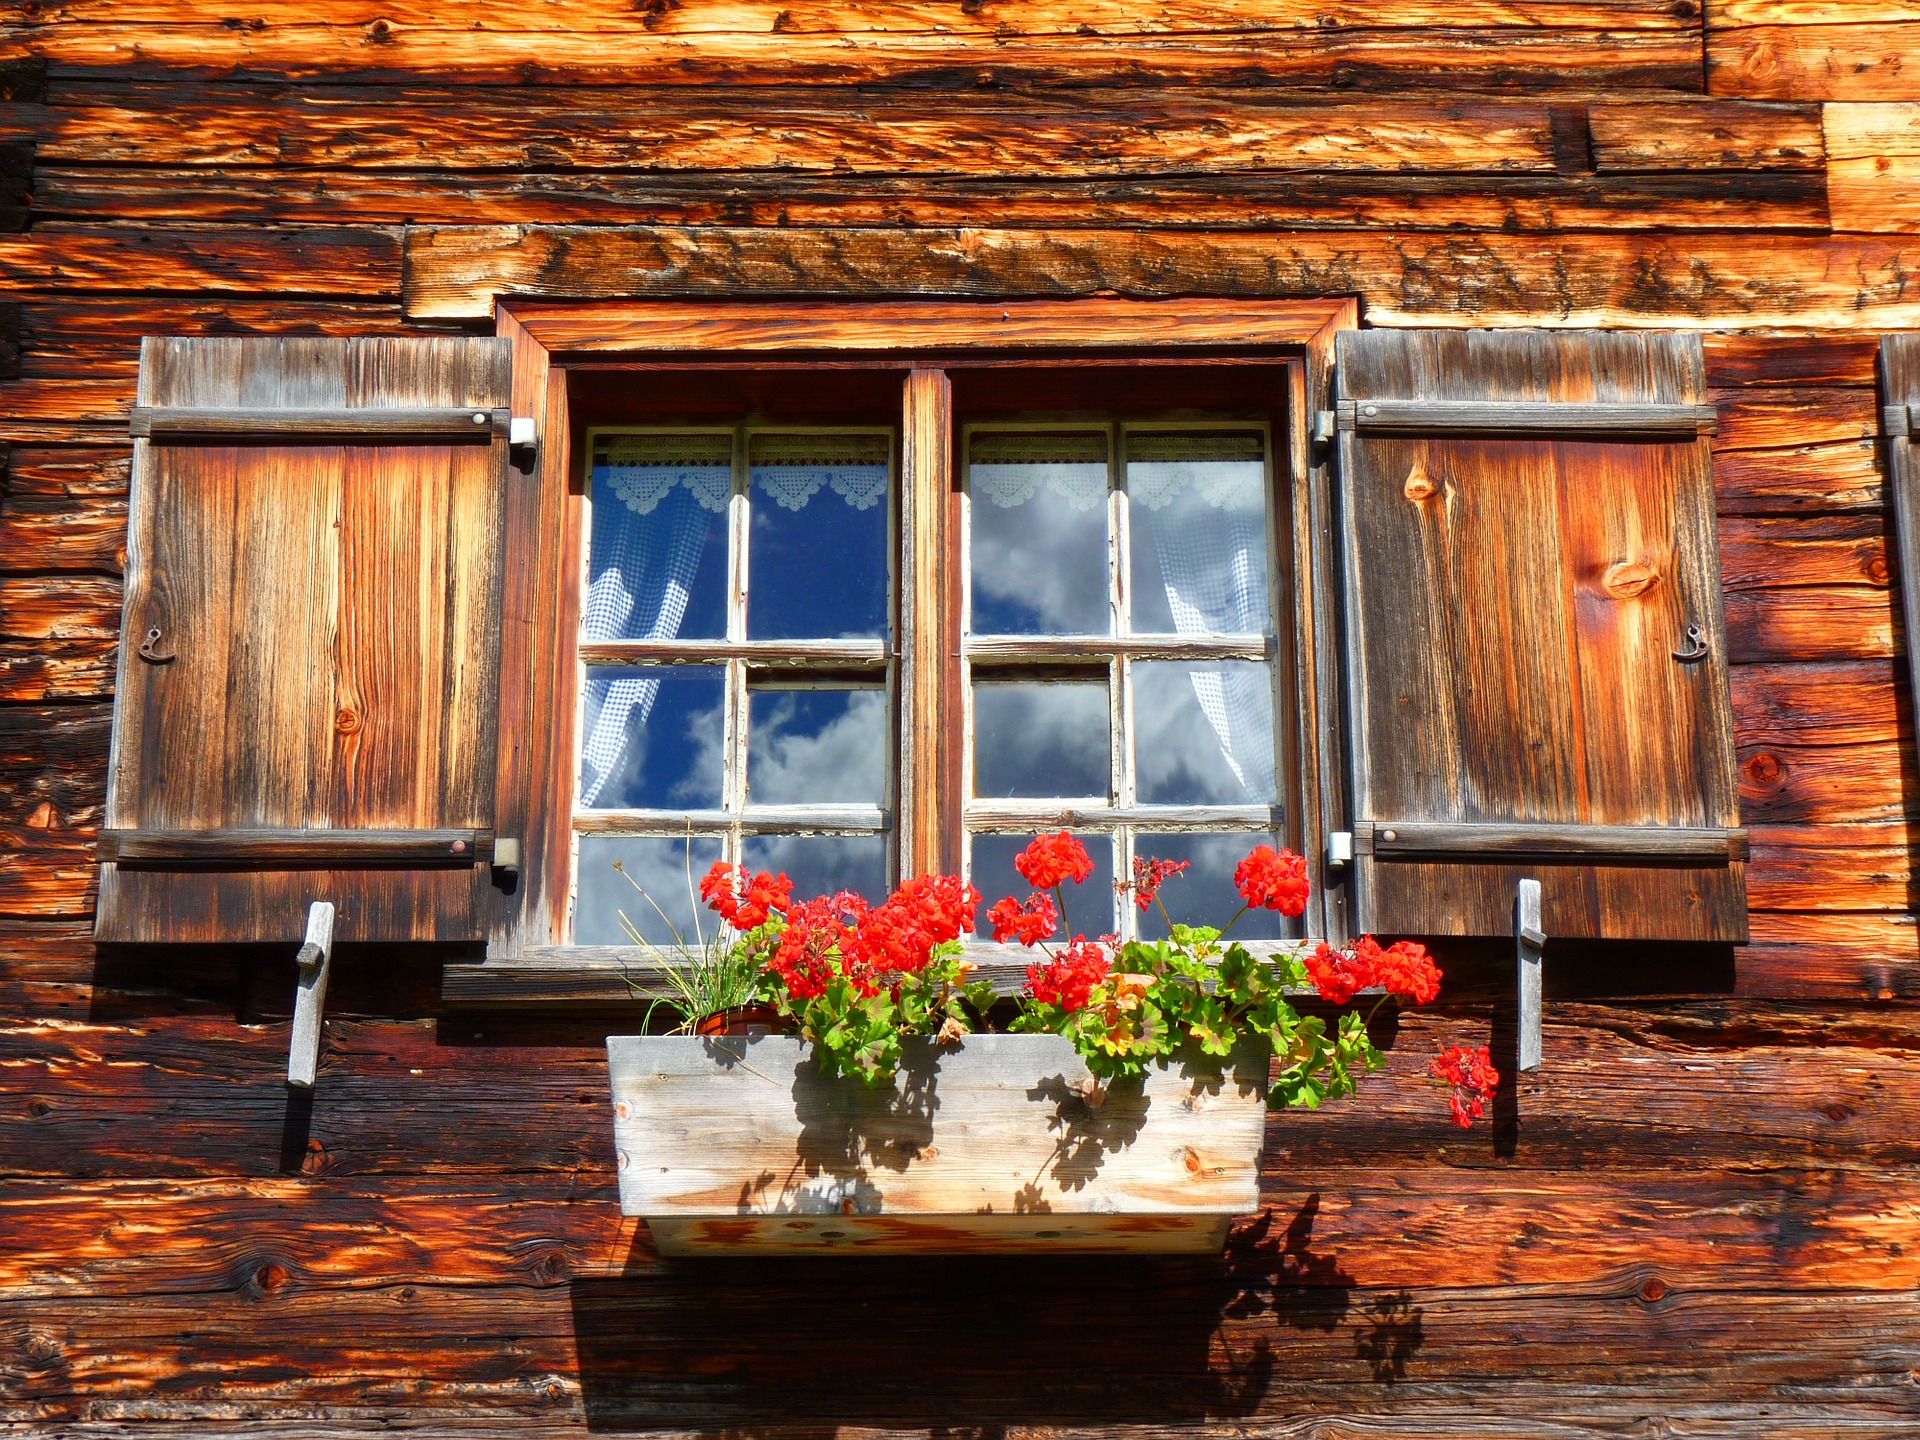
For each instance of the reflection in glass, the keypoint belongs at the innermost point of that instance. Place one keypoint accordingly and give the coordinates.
(1203, 733)
(1041, 739)
(1205, 895)
(667, 870)
(1198, 519)
(658, 554)
(823, 864)
(664, 752)
(817, 556)
(808, 746)
(1039, 533)
(1090, 904)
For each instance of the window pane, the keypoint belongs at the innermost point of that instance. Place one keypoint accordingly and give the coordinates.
(1203, 733)
(1197, 513)
(654, 738)
(1090, 904)
(816, 746)
(823, 864)
(1039, 533)
(658, 566)
(1205, 895)
(615, 870)
(817, 556)
(1041, 740)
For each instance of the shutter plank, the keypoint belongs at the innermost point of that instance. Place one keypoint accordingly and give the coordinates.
(1900, 388)
(1515, 602)
(334, 612)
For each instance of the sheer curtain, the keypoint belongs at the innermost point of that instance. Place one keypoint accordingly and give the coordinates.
(656, 501)
(1205, 498)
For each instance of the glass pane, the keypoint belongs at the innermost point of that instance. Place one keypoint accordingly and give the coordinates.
(1205, 895)
(1039, 522)
(1203, 733)
(658, 554)
(623, 875)
(1041, 740)
(816, 746)
(654, 738)
(817, 553)
(1090, 910)
(823, 864)
(1197, 512)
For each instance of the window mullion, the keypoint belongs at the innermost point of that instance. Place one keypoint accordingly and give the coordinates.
(929, 665)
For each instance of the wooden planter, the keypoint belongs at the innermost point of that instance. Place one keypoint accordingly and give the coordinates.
(736, 1144)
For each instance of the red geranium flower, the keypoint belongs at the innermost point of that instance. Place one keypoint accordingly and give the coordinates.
(744, 900)
(1407, 971)
(1338, 975)
(1051, 859)
(1150, 875)
(1068, 979)
(1029, 923)
(1273, 880)
(1473, 1078)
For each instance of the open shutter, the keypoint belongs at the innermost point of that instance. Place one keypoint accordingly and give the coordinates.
(307, 696)
(1900, 423)
(1536, 655)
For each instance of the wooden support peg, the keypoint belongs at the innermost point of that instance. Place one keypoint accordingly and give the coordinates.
(1529, 938)
(310, 999)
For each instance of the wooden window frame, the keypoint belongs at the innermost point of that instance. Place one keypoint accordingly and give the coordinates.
(527, 960)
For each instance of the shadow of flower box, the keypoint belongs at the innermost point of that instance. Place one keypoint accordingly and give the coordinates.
(738, 1144)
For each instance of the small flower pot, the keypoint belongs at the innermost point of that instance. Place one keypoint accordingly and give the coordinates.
(741, 1020)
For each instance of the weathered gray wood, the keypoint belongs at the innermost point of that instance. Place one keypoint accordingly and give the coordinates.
(1529, 940)
(729, 1139)
(867, 654)
(1047, 650)
(310, 996)
(346, 424)
(1386, 838)
(1519, 605)
(1415, 416)
(1014, 816)
(287, 846)
(329, 611)
(1900, 379)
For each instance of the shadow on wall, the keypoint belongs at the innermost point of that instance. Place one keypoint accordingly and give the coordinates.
(979, 1345)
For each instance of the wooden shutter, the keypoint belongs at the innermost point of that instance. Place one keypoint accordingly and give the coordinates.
(1900, 423)
(307, 696)
(1537, 673)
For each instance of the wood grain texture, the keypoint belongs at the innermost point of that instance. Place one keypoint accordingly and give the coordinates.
(1859, 52)
(1873, 166)
(1900, 377)
(331, 613)
(930, 762)
(1524, 58)
(1513, 635)
(1704, 281)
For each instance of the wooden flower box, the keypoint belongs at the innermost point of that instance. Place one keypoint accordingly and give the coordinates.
(738, 1145)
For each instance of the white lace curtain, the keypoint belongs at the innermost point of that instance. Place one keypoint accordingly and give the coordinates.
(1212, 559)
(656, 499)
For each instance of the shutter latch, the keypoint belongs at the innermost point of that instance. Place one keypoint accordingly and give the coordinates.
(1529, 939)
(1697, 647)
(310, 998)
(523, 440)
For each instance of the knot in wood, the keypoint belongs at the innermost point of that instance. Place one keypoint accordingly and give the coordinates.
(347, 722)
(1629, 579)
(1764, 769)
(1876, 570)
(1652, 1289)
(1419, 484)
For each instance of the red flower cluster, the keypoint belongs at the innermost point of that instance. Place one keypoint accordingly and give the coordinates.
(1404, 969)
(744, 900)
(1273, 880)
(871, 945)
(1068, 979)
(1150, 875)
(1029, 923)
(1473, 1078)
(1051, 859)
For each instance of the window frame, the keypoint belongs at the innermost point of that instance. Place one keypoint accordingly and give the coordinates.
(527, 959)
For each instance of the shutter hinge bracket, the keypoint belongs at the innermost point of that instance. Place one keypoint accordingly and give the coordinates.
(1339, 849)
(1323, 427)
(507, 861)
(1529, 939)
(310, 996)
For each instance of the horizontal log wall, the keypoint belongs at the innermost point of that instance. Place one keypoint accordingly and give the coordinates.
(1698, 1218)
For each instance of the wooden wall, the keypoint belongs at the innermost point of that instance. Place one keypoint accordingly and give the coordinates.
(1702, 1217)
